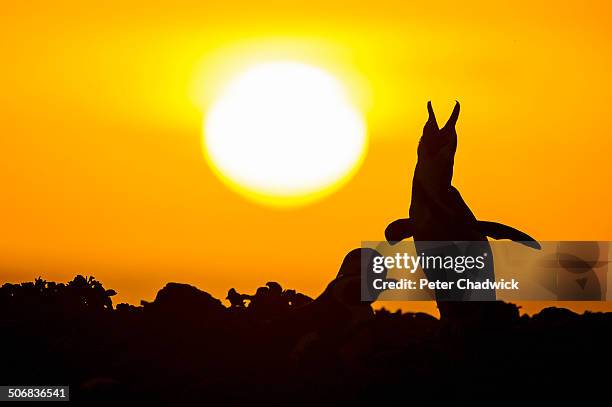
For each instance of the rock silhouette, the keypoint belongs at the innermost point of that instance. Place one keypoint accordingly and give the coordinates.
(282, 348)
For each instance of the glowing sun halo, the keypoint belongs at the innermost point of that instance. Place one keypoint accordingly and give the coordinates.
(284, 133)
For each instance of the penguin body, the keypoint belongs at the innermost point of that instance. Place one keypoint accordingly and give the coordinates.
(438, 214)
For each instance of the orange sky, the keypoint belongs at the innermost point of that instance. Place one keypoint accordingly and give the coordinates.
(101, 111)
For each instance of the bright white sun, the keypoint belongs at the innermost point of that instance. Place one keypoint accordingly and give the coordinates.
(284, 133)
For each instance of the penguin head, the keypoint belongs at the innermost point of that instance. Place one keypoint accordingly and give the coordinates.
(437, 147)
(434, 140)
(351, 270)
(351, 265)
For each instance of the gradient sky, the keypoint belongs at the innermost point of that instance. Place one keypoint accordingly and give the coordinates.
(102, 106)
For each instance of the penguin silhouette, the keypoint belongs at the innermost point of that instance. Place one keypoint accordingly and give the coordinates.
(438, 214)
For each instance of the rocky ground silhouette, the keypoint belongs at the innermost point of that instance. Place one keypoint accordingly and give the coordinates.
(278, 346)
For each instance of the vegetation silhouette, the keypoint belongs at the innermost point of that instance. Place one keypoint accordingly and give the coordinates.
(439, 214)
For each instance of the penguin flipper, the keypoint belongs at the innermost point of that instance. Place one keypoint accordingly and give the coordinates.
(399, 230)
(501, 231)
